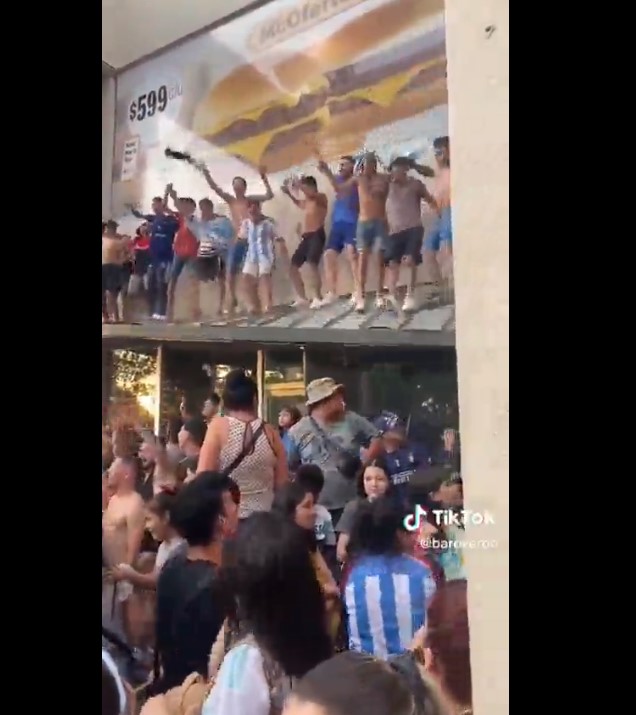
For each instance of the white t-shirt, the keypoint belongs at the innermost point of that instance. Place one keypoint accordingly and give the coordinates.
(325, 533)
(241, 686)
(166, 550)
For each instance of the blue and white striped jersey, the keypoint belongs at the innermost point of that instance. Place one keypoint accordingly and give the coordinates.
(386, 599)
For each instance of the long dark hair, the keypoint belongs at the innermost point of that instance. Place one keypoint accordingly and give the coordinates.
(376, 526)
(269, 556)
(286, 500)
(379, 462)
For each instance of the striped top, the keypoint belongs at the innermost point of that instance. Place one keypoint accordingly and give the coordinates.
(386, 598)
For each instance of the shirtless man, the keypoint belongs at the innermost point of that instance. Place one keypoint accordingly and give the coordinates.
(123, 524)
(113, 258)
(373, 189)
(312, 240)
(238, 204)
(404, 244)
(438, 245)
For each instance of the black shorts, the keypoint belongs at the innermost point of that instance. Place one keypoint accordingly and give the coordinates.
(112, 278)
(142, 262)
(209, 269)
(310, 248)
(404, 243)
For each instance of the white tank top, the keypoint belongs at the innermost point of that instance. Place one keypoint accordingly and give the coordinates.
(255, 474)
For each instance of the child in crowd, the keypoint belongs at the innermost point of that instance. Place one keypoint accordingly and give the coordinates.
(310, 476)
(373, 481)
(161, 530)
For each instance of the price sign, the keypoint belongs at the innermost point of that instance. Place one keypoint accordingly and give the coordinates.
(151, 103)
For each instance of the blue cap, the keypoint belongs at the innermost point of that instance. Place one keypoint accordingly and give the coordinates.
(389, 422)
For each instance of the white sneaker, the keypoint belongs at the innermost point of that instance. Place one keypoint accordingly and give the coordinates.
(359, 304)
(161, 317)
(380, 302)
(353, 300)
(154, 316)
(316, 304)
(392, 302)
(300, 303)
(329, 299)
(409, 306)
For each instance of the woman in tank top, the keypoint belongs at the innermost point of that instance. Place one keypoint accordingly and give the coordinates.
(263, 467)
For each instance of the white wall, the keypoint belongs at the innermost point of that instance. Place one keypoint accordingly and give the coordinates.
(132, 29)
(478, 84)
(108, 138)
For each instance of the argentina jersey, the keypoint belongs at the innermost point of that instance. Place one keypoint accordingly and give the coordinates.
(386, 598)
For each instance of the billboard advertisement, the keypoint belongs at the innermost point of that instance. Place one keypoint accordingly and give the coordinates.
(283, 93)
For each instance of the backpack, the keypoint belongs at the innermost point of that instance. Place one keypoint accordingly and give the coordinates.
(189, 697)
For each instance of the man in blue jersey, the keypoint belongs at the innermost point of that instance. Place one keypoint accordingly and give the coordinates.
(343, 232)
(402, 457)
(162, 229)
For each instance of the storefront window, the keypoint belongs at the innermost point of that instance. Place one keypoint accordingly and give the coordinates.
(284, 382)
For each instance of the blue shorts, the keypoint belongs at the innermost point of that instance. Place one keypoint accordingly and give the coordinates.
(371, 233)
(442, 232)
(342, 234)
(236, 257)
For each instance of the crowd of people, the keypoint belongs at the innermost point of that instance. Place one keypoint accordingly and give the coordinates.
(376, 216)
(259, 569)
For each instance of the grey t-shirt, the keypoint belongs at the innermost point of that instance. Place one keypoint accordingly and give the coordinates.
(345, 522)
(309, 446)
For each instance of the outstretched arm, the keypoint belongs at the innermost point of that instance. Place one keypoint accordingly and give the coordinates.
(340, 187)
(426, 195)
(299, 202)
(423, 170)
(269, 193)
(228, 198)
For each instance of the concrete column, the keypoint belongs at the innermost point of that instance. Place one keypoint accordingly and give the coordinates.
(260, 382)
(108, 140)
(159, 388)
(477, 45)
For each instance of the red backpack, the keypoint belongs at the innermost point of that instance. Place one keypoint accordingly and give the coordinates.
(185, 242)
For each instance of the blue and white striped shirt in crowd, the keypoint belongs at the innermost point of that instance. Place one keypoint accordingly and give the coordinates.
(386, 599)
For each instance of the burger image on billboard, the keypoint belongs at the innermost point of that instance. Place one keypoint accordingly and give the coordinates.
(361, 76)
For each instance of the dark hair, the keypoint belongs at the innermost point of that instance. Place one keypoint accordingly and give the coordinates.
(240, 391)
(241, 179)
(196, 511)
(157, 198)
(401, 161)
(270, 557)
(162, 503)
(311, 477)
(293, 412)
(353, 683)
(196, 427)
(188, 200)
(441, 142)
(214, 398)
(347, 157)
(111, 224)
(379, 462)
(376, 526)
(286, 500)
(221, 482)
(425, 482)
(309, 181)
(448, 639)
(206, 201)
(189, 406)
(111, 704)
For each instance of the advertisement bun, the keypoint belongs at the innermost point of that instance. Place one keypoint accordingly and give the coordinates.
(247, 88)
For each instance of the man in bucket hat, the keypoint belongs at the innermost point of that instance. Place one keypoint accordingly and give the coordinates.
(331, 437)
